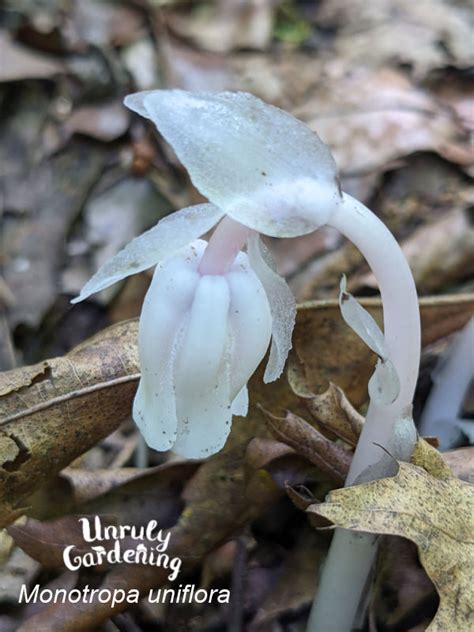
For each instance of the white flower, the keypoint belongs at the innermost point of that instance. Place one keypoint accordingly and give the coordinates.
(263, 171)
(201, 337)
(207, 319)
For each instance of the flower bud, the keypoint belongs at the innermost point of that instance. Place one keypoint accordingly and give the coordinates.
(200, 339)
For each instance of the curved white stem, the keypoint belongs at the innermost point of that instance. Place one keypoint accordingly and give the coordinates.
(350, 557)
(401, 317)
(224, 245)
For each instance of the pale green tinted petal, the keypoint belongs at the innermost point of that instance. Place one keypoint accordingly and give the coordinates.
(384, 385)
(259, 164)
(167, 301)
(157, 244)
(282, 307)
(202, 373)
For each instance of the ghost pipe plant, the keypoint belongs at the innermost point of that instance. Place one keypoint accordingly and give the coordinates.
(211, 309)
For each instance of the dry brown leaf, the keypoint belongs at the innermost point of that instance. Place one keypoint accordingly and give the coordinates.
(327, 456)
(34, 244)
(320, 278)
(264, 76)
(435, 513)
(426, 456)
(121, 491)
(457, 92)
(327, 351)
(262, 452)
(290, 256)
(227, 25)
(85, 485)
(53, 412)
(19, 62)
(104, 122)
(302, 498)
(439, 253)
(136, 498)
(103, 24)
(120, 208)
(219, 563)
(285, 466)
(16, 570)
(20, 154)
(371, 118)
(332, 411)
(426, 34)
(7, 352)
(188, 68)
(46, 541)
(152, 494)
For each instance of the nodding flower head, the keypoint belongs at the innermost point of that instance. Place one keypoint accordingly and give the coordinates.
(201, 338)
(211, 309)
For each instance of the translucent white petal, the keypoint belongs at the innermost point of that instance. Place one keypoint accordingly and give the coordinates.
(282, 307)
(250, 320)
(384, 385)
(155, 245)
(258, 163)
(404, 437)
(166, 304)
(240, 405)
(360, 321)
(202, 373)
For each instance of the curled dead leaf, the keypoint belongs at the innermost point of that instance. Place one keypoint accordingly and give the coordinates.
(329, 457)
(335, 415)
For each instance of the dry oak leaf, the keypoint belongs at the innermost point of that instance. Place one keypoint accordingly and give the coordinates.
(435, 513)
(52, 412)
